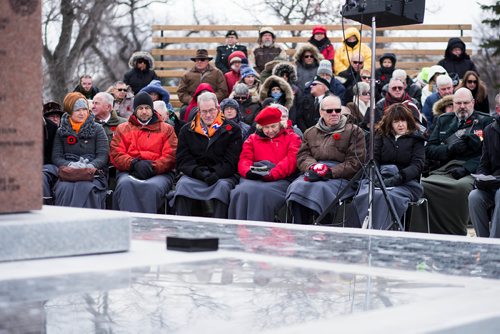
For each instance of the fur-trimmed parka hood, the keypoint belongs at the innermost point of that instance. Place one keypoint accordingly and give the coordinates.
(141, 54)
(439, 107)
(285, 87)
(297, 57)
(288, 68)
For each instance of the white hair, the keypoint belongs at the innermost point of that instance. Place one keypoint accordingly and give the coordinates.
(400, 74)
(444, 80)
(207, 96)
(108, 98)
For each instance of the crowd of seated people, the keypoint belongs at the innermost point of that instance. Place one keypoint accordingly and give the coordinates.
(258, 135)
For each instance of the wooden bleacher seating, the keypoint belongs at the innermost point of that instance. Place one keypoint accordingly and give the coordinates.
(416, 46)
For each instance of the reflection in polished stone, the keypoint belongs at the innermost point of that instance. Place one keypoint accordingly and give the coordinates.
(222, 295)
(337, 246)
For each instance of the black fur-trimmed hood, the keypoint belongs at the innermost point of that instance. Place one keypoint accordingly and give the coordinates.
(307, 47)
(141, 54)
(285, 87)
(286, 68)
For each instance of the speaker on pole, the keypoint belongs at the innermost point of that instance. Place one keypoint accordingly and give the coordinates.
(389, 13)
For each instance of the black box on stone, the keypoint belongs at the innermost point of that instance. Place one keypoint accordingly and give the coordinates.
(20, 106)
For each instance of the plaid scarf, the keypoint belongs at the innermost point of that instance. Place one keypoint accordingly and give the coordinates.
(199, 127)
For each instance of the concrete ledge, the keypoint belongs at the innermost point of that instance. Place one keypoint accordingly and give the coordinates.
(60, 231)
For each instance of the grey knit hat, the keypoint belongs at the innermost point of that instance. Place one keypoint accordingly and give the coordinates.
(325, 67)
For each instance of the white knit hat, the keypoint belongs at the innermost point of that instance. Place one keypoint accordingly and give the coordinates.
(325, 67)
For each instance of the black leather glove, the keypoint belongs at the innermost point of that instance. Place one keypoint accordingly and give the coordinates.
(201, 172)
(490, 185)
(211, 178)
(458, 147)
(143, 169)
(253, 176)
(393, 181)
(458, 172)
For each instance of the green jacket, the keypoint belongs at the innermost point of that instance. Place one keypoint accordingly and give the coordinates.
(111, 124)
(447, 125)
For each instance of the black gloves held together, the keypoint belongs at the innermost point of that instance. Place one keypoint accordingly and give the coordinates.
(142, 169)
(458, 172)
(203, 173)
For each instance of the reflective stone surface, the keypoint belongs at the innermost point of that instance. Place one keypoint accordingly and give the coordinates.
(264, 278)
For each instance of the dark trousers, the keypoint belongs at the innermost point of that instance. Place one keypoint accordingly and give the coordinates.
(185, 206)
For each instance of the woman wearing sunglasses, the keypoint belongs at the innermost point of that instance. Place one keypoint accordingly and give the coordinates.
(479, 91)
(331, 153)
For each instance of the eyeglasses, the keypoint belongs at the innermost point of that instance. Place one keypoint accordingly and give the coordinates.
(308, 56)
(208, 111)
(472, 81)
(365, 78)
(397, 88)
(357, 62)
(314, 84)
(366, 94)
(459, 103)
(329, 111)
(121, 89)
(240, 98)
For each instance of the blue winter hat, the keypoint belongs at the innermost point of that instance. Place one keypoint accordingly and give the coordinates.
(246, 70)
(229, 103)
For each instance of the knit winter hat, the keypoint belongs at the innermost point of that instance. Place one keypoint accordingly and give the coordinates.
(143, 98)
(319, 30)
(52, 108)
(325, 67)
(268, 115)
(236, 56)
(246, 70)
(229, 103)
(70, 99)
(241, 90)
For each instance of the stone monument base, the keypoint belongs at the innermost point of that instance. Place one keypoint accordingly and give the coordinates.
(60, 231)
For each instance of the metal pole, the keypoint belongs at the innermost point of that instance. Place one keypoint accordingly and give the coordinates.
(371, 188)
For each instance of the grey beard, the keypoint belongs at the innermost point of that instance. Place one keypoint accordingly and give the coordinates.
(267, 43)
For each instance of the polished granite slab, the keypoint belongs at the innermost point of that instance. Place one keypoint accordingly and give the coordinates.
(265, 278)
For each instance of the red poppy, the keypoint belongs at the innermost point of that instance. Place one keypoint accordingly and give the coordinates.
(336, 136)
(71, 140)
(468, 121)
(248, 111)
(113, 128)
(228, 127)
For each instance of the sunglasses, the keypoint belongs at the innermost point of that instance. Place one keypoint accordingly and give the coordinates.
(308, 56)
(313, 84)
(471, 81)
(397, 88)
(357, 62)
(121, 89)
(240, 98)
(329, 111)
(365, 77)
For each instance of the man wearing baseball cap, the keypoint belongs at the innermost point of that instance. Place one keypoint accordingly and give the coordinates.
(308, 116)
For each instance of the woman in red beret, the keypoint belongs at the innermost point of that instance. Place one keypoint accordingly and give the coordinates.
(268, 162)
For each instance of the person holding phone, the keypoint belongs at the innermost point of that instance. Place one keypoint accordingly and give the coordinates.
(267, 162)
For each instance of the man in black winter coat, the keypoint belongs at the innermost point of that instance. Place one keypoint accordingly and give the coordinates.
(141, 71)
(484, 202)
(456, 59)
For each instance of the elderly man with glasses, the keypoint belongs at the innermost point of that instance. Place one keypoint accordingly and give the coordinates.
(207, 156)
(395, 94)
(455, 144)
(124, 99)
(331, 153)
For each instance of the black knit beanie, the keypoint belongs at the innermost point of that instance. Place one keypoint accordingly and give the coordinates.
(141, 99)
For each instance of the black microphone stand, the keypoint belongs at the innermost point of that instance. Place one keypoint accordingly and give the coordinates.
(370, 167)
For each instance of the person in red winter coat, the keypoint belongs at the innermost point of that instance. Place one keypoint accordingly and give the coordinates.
(322, 42)
(268, 162)
(233, 76)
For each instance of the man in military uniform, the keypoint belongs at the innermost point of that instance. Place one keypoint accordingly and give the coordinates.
(456, 143)
(223, 51)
